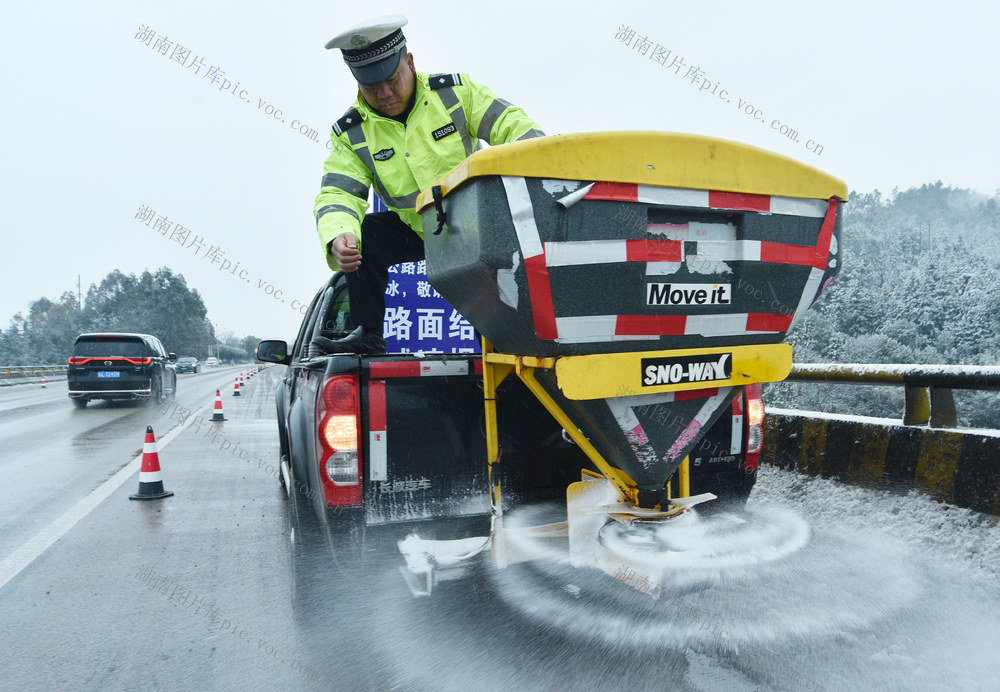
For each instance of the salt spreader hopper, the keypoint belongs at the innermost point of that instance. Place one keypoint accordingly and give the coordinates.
(634, 281)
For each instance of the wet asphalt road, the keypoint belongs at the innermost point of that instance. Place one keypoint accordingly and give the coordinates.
(194, 591)
(135, 595)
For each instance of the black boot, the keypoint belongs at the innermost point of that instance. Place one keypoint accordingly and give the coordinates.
(359, 341)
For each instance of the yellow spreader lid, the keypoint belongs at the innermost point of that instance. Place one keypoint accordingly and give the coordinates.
(667, 159)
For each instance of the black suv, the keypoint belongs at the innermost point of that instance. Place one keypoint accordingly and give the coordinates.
(120, 366)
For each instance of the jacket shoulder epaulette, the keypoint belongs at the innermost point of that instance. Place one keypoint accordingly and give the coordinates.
(440, 81)
(351, 118)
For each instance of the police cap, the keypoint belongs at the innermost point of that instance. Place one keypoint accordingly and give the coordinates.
(372, 49)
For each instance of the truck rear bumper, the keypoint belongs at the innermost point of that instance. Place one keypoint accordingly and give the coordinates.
(352, 520)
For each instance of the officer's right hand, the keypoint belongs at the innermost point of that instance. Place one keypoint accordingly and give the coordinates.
(344, 249)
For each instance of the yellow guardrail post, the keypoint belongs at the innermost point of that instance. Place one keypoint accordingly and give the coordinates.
(917, 407)
(943, 413)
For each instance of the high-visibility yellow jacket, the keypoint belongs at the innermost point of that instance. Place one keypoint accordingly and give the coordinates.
(451, 113)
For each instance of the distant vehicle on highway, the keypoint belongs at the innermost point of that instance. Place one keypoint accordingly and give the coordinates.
(212, 361)
(120, 366)
(188, 364)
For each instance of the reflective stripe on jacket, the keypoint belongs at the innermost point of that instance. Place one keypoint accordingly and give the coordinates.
(451, 113)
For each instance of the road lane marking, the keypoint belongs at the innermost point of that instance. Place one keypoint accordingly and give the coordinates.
(13, 564)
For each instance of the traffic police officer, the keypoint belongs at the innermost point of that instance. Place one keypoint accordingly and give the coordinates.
(405, 130)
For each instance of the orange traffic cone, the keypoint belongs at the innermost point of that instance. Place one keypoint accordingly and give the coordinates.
(241, 380)
(150, 480)
(43, 381)
(236, 387)
(217, 414)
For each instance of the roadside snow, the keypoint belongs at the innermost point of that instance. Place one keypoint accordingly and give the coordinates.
(870, 420)
(950, 532)
(835, 416)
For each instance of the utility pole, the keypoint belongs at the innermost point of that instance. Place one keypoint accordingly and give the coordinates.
(79, 293)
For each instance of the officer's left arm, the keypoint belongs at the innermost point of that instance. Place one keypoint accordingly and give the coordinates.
(493, 119)
(343, 196)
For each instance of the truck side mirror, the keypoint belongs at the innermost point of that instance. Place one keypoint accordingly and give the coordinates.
(171, 357)
(272, 351)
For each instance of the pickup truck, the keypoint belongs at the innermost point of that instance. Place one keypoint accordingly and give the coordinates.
(373, 446)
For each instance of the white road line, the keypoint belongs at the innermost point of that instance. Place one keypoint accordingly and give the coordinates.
(13, 564)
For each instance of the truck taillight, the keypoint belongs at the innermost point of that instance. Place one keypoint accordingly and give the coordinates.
(755, 425)
(338, 447)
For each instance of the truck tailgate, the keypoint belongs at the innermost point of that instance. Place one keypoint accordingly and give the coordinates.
(425, 455)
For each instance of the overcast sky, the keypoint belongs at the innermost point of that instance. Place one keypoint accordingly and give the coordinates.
(98, 125)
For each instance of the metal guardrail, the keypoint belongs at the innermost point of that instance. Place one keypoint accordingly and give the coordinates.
(18, 372)
(32, 368)
(928, 388)
(925, 451)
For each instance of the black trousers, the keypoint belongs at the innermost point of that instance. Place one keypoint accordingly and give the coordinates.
(385, 241)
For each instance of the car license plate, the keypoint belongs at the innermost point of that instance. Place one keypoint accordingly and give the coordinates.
(108, 373)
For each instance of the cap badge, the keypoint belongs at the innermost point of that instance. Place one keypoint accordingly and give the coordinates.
(359, 41)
